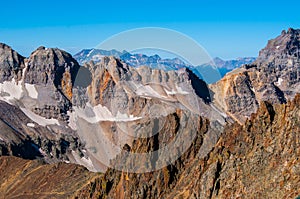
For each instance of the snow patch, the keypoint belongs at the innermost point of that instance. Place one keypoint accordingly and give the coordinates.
(11, 90)
(42, 152)
(148, 91)
(177, 91)
(290, 62)
(97, 57)
(100, 113)
(90, 52)
(72, 120)
(31, 125)
(279, 82)
(87, 162)
(172, 92)
(24, 71)
(39, 119)
(180, 91)
(253, 89)
(32, 92)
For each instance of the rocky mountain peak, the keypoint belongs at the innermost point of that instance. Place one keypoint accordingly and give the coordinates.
(200, 86)
(47, 66)
(113, 63)
(218, 61)
(273, 77)
(11, 64)
(41, 48)
(293, 31)
(42, 83)
(283, 50)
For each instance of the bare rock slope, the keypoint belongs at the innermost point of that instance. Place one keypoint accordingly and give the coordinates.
(274, 77)
(256, 160)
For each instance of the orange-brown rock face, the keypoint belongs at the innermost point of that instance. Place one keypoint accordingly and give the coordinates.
(101, 91)
(66, 85)
(234, 94)
(259, 159)
(256, 160)
(156, 184)
(273, 77)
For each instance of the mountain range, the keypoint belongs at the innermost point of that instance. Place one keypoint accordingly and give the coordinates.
(71, 128)
(156, 62)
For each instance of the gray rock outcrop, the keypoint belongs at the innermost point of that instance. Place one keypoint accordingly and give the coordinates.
(11, 64)
(273, 77)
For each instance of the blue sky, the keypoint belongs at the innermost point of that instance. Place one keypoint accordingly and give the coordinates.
(227, 29)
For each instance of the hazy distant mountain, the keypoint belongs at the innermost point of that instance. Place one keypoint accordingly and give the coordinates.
(87, 55)
(225, 66)
(156, 62)
(232, 64)
(135, 60)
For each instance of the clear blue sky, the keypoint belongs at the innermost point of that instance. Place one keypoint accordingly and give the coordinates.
(227, 29)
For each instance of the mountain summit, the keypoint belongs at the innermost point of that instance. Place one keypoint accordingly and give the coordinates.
(283, 50)
(274, 77)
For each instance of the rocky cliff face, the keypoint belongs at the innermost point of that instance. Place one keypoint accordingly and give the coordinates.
(23, 137)
(257, 159)
(43, 82)
(34, 101)
(260, 158)
(53, 73)
(123, 103)
(12, 64)
(274, 77)
(52, 67)
(63, 115)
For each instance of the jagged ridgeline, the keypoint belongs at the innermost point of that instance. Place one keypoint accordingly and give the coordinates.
(213, 70)
(238, 137)
(273, 77)
(57, 110)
